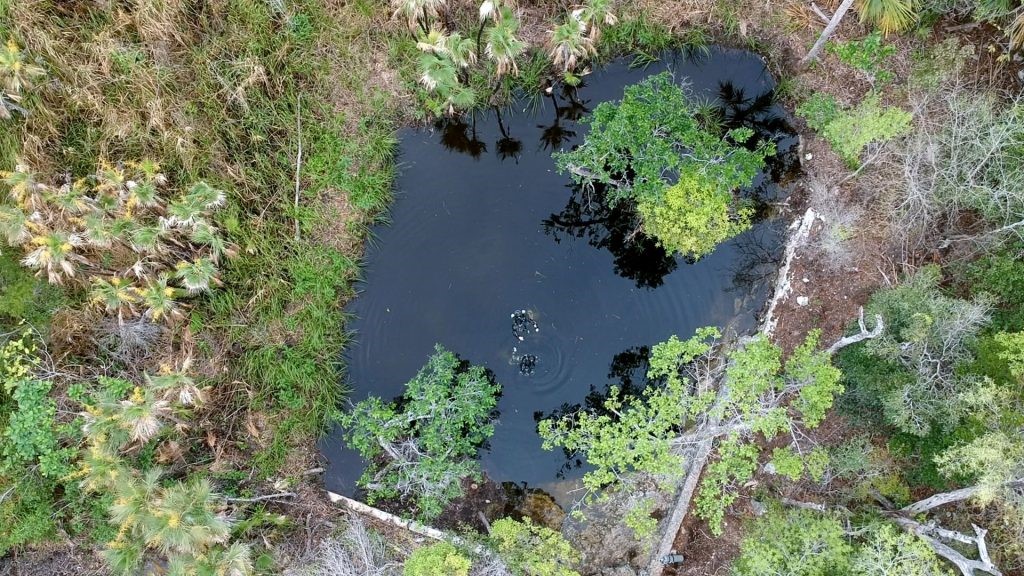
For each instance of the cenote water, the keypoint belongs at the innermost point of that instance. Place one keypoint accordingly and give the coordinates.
(493, 254)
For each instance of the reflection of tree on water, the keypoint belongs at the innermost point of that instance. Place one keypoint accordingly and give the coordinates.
(507, 147)
(757, 259)
(458, 136)
(571, 109)
(760, 114)
(636, 256)
(627, 371)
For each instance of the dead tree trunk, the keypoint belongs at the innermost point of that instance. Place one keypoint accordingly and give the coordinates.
(696, 462)
(827, 32)
(861, 336)
(934, 536)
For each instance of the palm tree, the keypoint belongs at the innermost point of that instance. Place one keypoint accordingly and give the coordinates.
(434, 42)
(206, 234)
(437, 74)
(184, 519)
(98, 230)
(461, 50)
(569, 45)
(23, 187)
(197, 275)
(13, 226)
(16, 71)
(889, 16)
(595, 14)
(160, 300)
(115, 295)
(54, 254)
(147, 239)
(205, 196)
(417, 12)
(502, 46)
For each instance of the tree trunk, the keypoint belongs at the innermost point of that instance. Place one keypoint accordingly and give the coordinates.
(930, 534)
(944, 498)
(782, 285)
(827, 32)
(699, 457)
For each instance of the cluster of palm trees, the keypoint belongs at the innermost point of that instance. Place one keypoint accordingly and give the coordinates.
(575, 39)
(448, 56)
(140, 254)
(182, 521)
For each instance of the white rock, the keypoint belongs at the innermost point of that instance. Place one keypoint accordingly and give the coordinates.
(803, 300)
(808, 156)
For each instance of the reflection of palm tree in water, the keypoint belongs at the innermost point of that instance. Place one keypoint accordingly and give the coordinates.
(760, 114)
(507, 147)
(572, 110)
(457, 136)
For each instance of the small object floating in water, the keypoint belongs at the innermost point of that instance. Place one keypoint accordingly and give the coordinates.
(523, 323)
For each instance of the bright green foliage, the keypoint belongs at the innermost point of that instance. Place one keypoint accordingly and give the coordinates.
(436, 559)
(889, 551)
(735, 465)
(794, 542)
(792, 465)
(867, 55)
(693, 216)
(640, 520)
(850, 131)
(422, 449)
(818, 380)
(531, 550)
(819, 110)
(653, 132)
(633, 433)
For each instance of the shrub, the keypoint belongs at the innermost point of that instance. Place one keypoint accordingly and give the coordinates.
(531, 550)
(850, 131)
(794, 542)
(867, 55)
(422, 448)
(440, 558)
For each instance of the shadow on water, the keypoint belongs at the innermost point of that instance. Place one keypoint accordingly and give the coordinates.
(486, 237)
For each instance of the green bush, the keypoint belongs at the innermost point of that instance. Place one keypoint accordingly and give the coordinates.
(683, 168)
(422, 448)
(435, 560)
(794, 542)
(849, 131)
(867, 55)
(531, 550)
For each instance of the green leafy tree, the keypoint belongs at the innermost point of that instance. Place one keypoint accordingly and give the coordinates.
(655, 150)
(889, 551)
(913, 370)
(794, 542)
(531, 550)
(423, 447)
(633, 433)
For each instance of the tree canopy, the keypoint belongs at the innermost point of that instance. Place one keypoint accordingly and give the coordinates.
(669, 155)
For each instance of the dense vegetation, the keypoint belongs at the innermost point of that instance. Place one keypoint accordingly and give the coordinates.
(186, 186)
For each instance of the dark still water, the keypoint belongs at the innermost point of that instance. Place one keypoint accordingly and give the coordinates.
(483, 227)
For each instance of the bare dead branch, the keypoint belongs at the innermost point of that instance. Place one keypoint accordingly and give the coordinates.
(861, 336)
